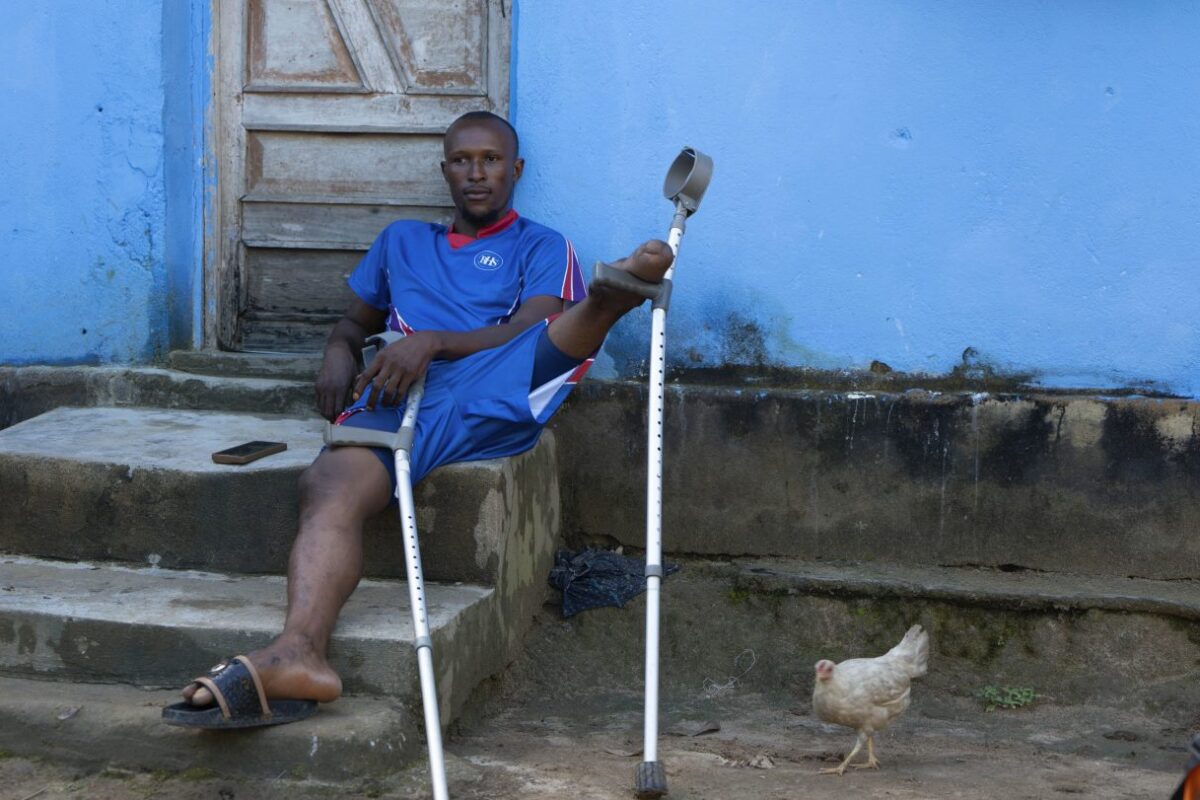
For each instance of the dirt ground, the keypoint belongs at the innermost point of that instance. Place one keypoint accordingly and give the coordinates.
(565, 722)
(533, 747)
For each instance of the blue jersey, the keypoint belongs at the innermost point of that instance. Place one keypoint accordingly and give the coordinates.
(429, 278)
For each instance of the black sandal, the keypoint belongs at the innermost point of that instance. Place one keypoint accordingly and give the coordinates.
(239, 701)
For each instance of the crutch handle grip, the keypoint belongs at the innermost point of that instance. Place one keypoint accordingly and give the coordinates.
(609, 276)
(350, 436)
(376, 342)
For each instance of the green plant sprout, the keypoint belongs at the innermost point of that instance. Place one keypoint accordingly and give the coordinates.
(994, 697)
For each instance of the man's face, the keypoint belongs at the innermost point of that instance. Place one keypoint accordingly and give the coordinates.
(481, 169)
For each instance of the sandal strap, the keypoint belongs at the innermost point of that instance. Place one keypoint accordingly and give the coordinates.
(219, 675)
(217, 694)
(262, 695)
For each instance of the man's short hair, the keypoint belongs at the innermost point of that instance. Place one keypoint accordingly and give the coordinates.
(476, 116)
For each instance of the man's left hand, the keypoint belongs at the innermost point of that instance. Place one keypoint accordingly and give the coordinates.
(396, 367)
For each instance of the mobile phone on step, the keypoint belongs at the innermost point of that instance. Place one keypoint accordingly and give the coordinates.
(247, 452)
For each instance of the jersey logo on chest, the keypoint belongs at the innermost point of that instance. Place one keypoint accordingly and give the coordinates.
(488, 261)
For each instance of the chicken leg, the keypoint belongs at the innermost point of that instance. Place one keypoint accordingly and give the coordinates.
(841, 768)
(872, 761)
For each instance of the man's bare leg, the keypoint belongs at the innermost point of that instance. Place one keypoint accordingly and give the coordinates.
(338, 492)
(581, 329)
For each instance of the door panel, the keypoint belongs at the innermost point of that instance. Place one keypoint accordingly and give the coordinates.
(296, 281)
(315, 225)
(433, 44)
(298, 46)
(330, 122)
(342, 168)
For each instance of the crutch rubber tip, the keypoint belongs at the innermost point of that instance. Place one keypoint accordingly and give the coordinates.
(651, 780)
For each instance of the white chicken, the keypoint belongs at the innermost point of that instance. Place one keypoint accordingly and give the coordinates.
(868, 693)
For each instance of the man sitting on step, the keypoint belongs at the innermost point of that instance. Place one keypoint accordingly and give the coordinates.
(498, 320)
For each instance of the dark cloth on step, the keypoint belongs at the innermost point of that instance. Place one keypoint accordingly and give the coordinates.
(594, 578)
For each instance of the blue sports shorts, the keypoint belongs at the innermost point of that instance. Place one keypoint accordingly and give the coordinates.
(491, 404)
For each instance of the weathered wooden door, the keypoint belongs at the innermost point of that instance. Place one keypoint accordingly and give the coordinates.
(330, 114)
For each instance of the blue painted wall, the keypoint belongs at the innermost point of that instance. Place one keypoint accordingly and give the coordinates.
(84, 276)
(894, 181)
(190, 180)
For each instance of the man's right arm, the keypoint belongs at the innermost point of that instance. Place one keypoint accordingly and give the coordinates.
(343, 351)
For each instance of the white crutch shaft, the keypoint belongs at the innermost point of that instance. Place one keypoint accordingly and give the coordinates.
(650, 724)
(654, 469)
(654, 448)
(416, 594)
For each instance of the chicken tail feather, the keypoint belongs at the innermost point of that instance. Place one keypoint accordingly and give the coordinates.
(914, 649)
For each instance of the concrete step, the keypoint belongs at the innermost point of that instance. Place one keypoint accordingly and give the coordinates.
(158, 628)
(1072, 638)
(733, 630)
(759, 625)
(1087, 484)
(26, 392)
(1023, 590)
(95, 725)
(289, 366)
(139, 485)
(1097, 485)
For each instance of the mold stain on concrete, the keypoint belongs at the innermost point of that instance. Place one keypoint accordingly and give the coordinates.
(1186, 450)
(1132, 445)
(923, 435)
(1019, 446)
(741, 418)
(26, 640)
(744, 341)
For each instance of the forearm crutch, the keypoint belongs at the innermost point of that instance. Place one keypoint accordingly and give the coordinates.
(686, 182)
(400, 443)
